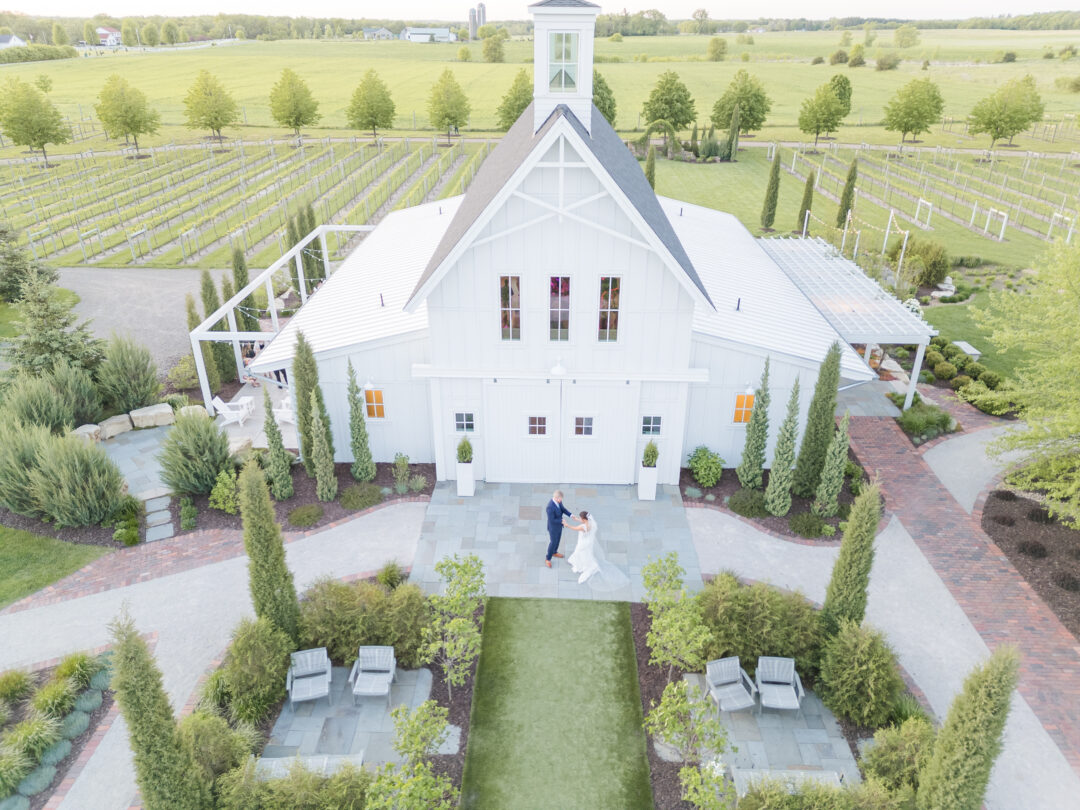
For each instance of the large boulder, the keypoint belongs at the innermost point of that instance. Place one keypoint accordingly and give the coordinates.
(115, 425)
(152, 416)
(193, 410)
(91, 434)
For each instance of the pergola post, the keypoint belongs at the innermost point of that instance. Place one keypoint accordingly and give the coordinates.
(299, 260)
(913, 381)
(271, 301)
(200, 370)
(325, 255)
(231, 317)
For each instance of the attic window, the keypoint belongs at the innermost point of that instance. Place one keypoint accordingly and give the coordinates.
(562, 63)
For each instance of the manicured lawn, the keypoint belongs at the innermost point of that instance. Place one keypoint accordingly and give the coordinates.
(556, 716)
(9, 328)
(955, 322)
(28, 562)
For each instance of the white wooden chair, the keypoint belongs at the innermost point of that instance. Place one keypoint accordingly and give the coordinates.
(309, 675)
(779, 684)
(283, 412)
(234, 411)
(729, 685)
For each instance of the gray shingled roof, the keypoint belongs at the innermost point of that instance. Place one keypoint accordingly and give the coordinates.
(608, 148)
(564, 4)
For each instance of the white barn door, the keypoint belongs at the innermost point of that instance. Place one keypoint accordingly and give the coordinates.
(522, 443)
(599, 436)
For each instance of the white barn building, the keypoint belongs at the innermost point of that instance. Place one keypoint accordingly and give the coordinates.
(560, 314)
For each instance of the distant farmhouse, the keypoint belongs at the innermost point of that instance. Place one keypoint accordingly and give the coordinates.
(427, 35)
(378, 33)
(11, 41)
(107, 36)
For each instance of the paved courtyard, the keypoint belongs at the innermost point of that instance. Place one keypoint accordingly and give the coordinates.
(136, 455)
(505, 525)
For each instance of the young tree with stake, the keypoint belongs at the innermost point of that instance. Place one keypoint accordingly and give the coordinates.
(820, 112)
(448, 106)
(208, 105)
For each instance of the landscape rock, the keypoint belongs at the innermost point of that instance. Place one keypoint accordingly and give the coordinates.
(152, 416)
(114, 426)
(239, 445)
(193, 410)
(91, 434)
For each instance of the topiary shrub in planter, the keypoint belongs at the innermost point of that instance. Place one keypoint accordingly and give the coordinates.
(807, 524)
(54, 699)
(748, 503)
(899, 752)
(304, 516)
(944, 370)
(193, 454)
(706, 466)
(859, 678)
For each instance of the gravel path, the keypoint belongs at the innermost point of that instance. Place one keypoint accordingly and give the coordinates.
(147, 304)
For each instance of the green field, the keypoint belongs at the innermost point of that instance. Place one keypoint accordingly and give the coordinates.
(556, 718)
(28, 562)
(781, 60)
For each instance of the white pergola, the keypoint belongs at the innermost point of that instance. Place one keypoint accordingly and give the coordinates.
(227, 311)
(857, 306)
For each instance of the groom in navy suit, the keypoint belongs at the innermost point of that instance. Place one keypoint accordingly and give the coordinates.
(555, 511)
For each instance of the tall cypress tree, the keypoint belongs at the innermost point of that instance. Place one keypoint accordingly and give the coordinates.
(733, 134)
(778, 492)
(164, 769)
(772, 193)
(273, 593)
(246, 318)
(964, 752)
(806, 204)
(693, 141)
(832, 473)
(363, 466)
(326, 485)
(305, 379)
(222, 351)
(278, 462)
(314, 251)
(845, 598)
(757, 436)
(820, 423)
(293, 236)
(650, 168)
(847, 197)
(213, 379)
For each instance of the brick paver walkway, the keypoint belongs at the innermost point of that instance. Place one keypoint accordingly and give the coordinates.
(999, 603)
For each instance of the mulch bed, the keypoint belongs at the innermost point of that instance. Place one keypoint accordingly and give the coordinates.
(304, 494)
(460, 711)
(21, 710)
(1023, 530)
(729, 485)
(84, 535)
(664, 776)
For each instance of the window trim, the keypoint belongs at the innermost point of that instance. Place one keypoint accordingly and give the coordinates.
(592, 427)
(569, 308)
(561, 64)
(659, 425)
(520, 309)
(547, 425)
(746, 409)
(600, 310)
(369, 405)
(464, 431)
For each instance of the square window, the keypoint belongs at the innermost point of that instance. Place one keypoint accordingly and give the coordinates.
(373, 398)
(583, 426)
(464, 422)
(538, 426)
(650, 426)
(744, 406)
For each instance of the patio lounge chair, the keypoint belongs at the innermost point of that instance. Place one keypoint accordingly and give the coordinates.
(729, 685)
(234, 411)
(283, 412)
(373, 672)
(779, 684)
(309, 676)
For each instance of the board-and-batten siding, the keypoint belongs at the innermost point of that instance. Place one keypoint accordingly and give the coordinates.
(732, 368)
(388, 364)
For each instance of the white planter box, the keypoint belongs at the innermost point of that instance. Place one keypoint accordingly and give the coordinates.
(646, 483)
(466, 484)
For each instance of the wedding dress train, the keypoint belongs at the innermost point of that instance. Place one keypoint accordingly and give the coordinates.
(588, 561)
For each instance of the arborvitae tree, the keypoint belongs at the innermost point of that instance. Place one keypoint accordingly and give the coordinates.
(772, 192)
(712, 131)
(964, 752)
(650, 167)
(164, 769)
(733, 134)
(278, 461)
(363, 466)
(222, 351)
(326, 485)
(806, 204)
(305, 379)
(693, 140)
(847, 197)
(845, 597)
(832, 473)
(820, 423)
(246, 318)
(213, 379)
(273, 593)
(313, 251)
(293, 236)
(757, 436)
(778, 492)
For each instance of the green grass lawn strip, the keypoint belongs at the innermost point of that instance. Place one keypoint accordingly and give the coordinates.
(556, 716)
(29, 562)
(956, 322)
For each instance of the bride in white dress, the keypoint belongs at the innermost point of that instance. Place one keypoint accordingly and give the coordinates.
(588, 558)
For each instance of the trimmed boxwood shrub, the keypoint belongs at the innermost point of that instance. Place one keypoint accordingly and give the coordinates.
(54, 699)
(932, 358)
(807, 524)
(360, 496)
(706, 466)
(303, 516)
(944, 370)
(951, 350)
(255, 669)
(193, 454)
(991, 379)
(748, 503)
(76, 483)
(975, 370)
(960, 381)
(859, 677)
(939, 341)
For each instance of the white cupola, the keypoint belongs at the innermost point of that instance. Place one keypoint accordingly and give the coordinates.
(563, 58)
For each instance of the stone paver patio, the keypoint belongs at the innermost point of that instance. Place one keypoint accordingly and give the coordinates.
(504, 524)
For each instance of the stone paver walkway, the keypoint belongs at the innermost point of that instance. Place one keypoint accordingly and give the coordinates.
(192, 613)
(505, 525)
(135, 453)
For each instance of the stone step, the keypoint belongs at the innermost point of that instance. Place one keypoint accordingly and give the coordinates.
(152, 493)
(158, 518)
(162, 532)
(157, 504)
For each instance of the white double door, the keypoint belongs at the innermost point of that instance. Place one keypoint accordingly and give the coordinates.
(561, 431)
